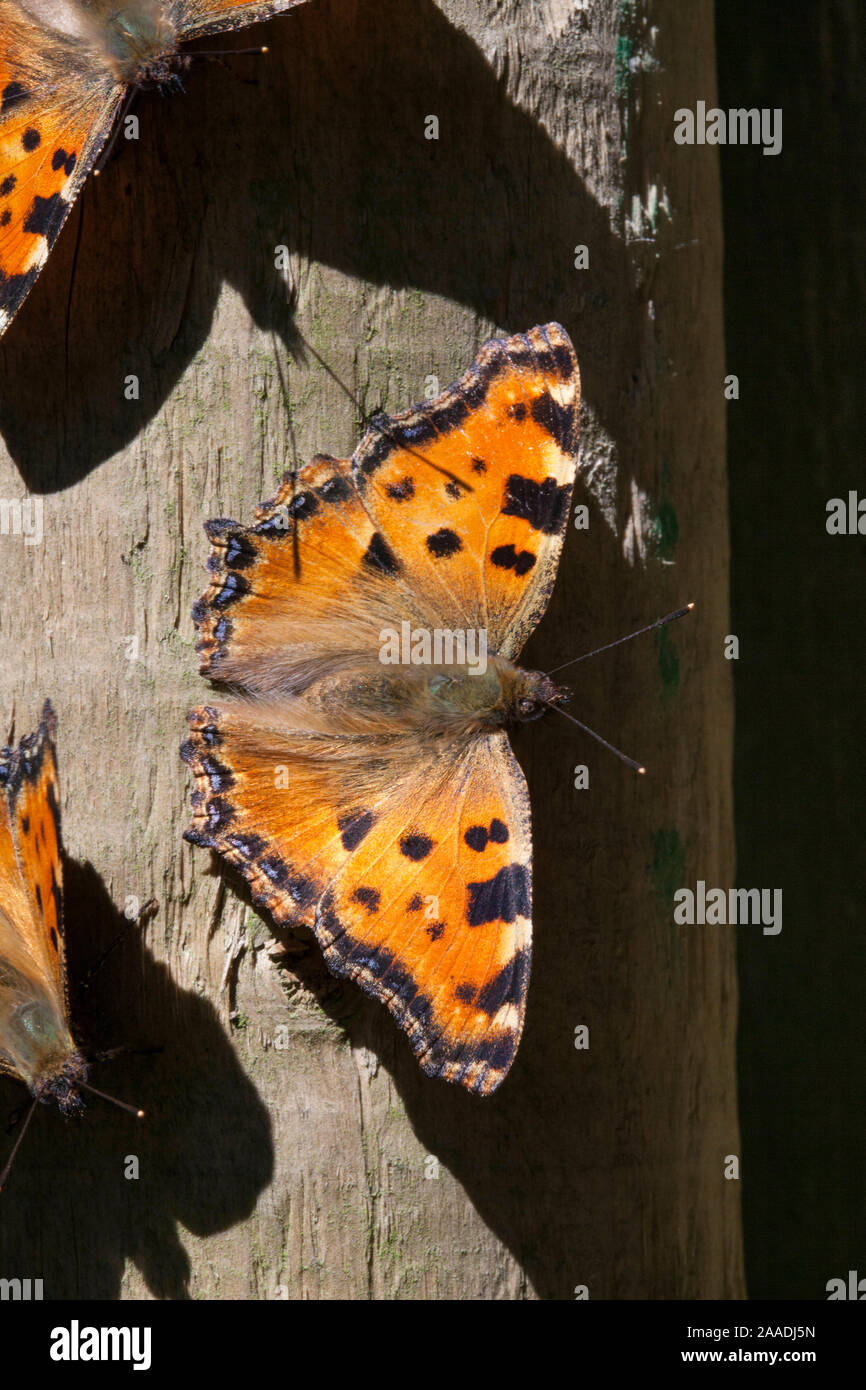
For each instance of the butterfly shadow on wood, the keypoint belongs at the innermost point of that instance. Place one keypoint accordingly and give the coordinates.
(317, 146)
(71, 1213)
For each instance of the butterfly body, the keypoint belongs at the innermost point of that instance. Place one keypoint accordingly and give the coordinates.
(434, 701)
(372, 617)
(36, 1044)
(65, 69)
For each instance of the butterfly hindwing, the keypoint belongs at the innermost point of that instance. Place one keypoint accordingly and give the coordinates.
(414, 872)
(284, 804)
(432, 915)
(472, 490)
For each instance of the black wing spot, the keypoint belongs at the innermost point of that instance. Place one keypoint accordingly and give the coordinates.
(476, 838)
(498, 831)
(479, 466)
(443, 543)
(556, 419)
(416, 846)
(354, 827)
(7, 185)
(505, 557)
(369, 897)
(334, 490)
(499, 899)
(44, 214)
(414, 903)
(401, 491)
(5, 217)
(507, 986)
(454, 489)
(543, 505)
(379, 556)
(517, 411)
(31, 139)
(12, 92)
(435, 930)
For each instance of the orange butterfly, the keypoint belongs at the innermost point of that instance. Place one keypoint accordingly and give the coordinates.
(65, 68)
(35, 1041)
(374, 613)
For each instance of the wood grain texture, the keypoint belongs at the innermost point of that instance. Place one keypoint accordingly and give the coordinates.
(310, 1170)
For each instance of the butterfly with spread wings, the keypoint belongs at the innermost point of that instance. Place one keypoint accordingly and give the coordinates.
(373, 799)
(65, 69)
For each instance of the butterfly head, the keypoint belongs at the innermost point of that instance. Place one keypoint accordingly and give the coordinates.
(62, 1084)
(534, 694)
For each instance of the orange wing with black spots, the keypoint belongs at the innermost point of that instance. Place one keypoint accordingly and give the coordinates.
(32, 964)
(472, 490)
(415, 873)
(366, 797)
(64, 71)
(307, 587)
(56, 110)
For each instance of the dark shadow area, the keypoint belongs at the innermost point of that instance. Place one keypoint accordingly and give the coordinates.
(204, 1147)
(795, 228)
(319, 146)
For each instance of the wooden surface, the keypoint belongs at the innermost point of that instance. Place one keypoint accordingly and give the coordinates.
(304, 1171)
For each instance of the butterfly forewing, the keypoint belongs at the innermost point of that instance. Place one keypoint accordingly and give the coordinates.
(472, 490)
(197, 17)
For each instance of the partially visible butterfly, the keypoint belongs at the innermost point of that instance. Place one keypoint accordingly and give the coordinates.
(36, 1044)
(65, 67)
(366, 787)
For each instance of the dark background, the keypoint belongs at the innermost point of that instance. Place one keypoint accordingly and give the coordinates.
(794, 295)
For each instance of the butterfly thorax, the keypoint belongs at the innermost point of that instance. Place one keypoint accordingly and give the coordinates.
(40, 1047)
(141, 45)
(438, 699)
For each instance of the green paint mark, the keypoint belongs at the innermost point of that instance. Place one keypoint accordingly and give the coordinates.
(624, 51)
(669, 662)
(669, 863)
(664, 530)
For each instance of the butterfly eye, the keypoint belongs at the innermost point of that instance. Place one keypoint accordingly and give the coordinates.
(527, 707)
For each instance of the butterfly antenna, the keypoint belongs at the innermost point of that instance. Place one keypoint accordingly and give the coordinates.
(229, 52)
(638, 767)
(372, 424)
(4, 1175)
(659, 622)
(149, 908)
(121, 1104)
